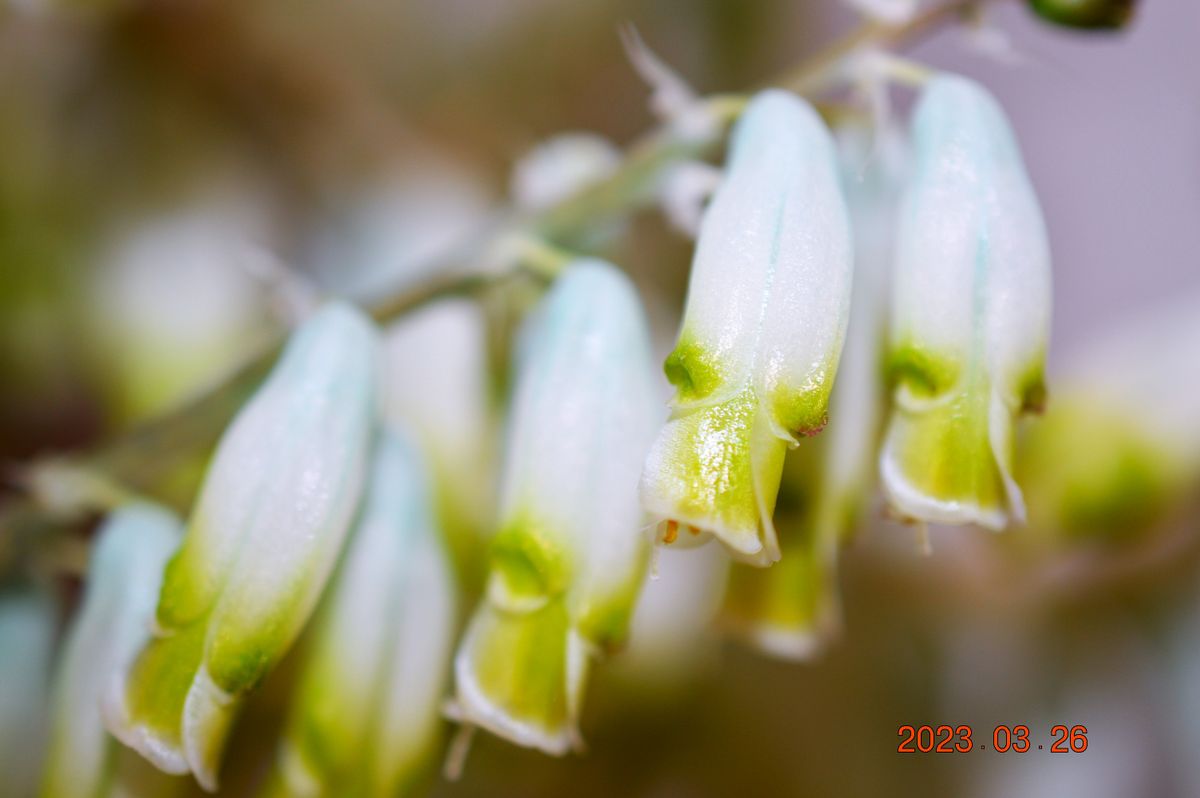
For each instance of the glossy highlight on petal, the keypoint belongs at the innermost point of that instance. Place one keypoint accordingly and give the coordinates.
(762, 333)
(366, 711)
(791, 611)
(970, 313)
(266, 532)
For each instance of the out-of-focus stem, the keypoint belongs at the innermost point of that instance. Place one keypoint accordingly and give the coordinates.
(136, 459)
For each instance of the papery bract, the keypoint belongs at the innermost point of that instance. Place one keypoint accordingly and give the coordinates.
(569, 557)
(970, 313)
(762, 332)
(264, 535)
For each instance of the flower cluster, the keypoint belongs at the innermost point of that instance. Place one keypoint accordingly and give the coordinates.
(350, 499)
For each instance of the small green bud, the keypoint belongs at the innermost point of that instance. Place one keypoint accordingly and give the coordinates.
(1086, 14)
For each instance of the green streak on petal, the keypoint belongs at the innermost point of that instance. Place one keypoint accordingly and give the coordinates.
(603, 618)
(710, 467)
(944, 451)
(803, 410)
(188, 591)
(520, 664)
(240, 654)
(923, 372)
(529, 560)
(693, 370)
(159, 682)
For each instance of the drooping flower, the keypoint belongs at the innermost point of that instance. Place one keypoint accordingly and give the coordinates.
(265, 533)
(435, 383)
(113, 623)
(570, 554)
(27, 620)
(970, 313)
(762, 332)
(792, 609)
(367, 708)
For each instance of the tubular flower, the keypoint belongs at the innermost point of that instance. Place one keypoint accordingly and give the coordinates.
(766, 313)
(970, 314)
(113, 623)
(270, 521)
(568, 560)
(370, 689)
(791, 609)
(436, 384)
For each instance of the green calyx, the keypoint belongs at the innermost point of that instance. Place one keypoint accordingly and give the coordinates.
(1092, 15)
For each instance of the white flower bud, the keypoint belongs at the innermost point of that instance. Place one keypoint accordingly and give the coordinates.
(792, 609)
(970, 313)
(568, 560)
(261, 542)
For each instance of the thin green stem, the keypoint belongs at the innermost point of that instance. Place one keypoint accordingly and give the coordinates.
(135, 460)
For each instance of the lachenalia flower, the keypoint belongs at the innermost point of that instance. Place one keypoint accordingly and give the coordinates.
(113, 623)
(264, 535)
(568, 560)
(762, 332)
(970, 313)
(436, 385)
(367, 707)
(791, 609)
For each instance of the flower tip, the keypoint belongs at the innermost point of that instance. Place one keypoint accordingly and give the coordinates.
(153, 747)
(910, 502)
(497, 641)
(208, 715)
